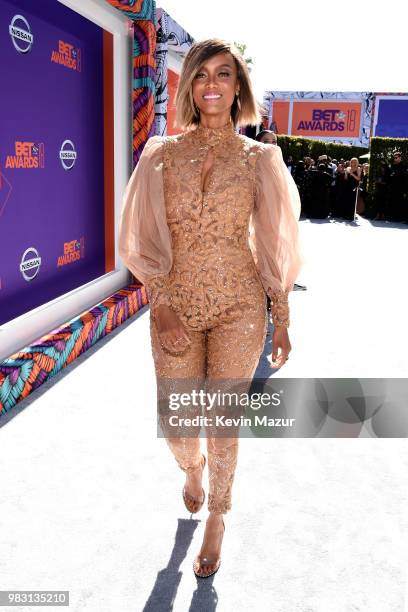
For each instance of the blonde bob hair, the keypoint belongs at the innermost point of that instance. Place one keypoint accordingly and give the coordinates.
(244, 113)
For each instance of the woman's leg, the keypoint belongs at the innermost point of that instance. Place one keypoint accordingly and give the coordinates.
(176, 374)
(233, 352)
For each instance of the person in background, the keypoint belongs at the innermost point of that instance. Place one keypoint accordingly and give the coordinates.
(290, 164)
(332, 163)
(339, 191)
(308, 162)
(310, 172)
(362, 197)
(320, 192)
(397, 189)
(299, 176)
(322, 159)
(380, 191)
(353, 178)
(267, 136)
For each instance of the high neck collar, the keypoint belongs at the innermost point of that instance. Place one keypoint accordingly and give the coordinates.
(212, 136)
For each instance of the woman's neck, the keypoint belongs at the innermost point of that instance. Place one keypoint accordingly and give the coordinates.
(215, 122)
(213, 135)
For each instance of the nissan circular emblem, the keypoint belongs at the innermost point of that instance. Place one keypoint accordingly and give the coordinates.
(67, 154)
(30, 264)
(20, 32)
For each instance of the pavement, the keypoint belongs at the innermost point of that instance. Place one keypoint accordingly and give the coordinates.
(91, 499)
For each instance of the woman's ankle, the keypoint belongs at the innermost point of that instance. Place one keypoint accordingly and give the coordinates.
(215, 516)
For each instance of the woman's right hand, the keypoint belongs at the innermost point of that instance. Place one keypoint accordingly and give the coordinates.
(281, 347)
(172, 333)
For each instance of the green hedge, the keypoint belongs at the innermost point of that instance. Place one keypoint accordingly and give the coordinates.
(299, 147)
(382, 149)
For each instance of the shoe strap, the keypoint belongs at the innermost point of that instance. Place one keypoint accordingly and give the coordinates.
(201, 501)
(207, 561)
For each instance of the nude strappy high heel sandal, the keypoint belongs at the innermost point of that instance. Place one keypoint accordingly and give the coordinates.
(205, 561)
(190, 500)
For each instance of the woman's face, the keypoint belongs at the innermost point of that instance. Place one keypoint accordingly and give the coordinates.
(269, 138)
(215, 84)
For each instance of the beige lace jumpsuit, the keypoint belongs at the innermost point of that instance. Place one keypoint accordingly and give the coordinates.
(212, 256)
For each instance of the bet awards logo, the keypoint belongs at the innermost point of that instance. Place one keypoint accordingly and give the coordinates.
(67, 155)
(20, 32)
(73, 250)
(28, 155)
(30, 264)
(67, 55)
(330, 120)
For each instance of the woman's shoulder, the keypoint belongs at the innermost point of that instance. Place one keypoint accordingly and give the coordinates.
(166, 143)
(157, 147)
(157, 140)
(152, 144)
(259, 149)
(264, 154)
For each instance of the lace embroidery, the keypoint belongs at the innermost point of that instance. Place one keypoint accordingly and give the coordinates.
(279, 307)
(157, 292)
(213, 278)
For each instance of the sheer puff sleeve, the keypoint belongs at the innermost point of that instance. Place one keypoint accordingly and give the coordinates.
(274, 231)
(144, 236)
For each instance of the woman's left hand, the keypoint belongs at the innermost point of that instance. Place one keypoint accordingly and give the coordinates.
(281, 347)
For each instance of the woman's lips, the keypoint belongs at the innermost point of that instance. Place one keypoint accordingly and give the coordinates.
(211, 97)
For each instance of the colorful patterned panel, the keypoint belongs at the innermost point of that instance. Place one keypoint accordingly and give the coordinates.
(26, 370)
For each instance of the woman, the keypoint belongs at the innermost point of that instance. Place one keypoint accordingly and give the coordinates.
(363, 191)
(340, 191)
(210, 224)
(320, 193)
(380, 191)
(290, 164)
(267, 136)
(352, 182)
(299, 178)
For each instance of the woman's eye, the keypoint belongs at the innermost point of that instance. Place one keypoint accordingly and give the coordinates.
(201, 74)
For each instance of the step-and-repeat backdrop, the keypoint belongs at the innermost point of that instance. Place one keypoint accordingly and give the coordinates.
(53, 120)
(341, 116)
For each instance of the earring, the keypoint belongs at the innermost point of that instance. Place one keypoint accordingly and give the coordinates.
(238, 101)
